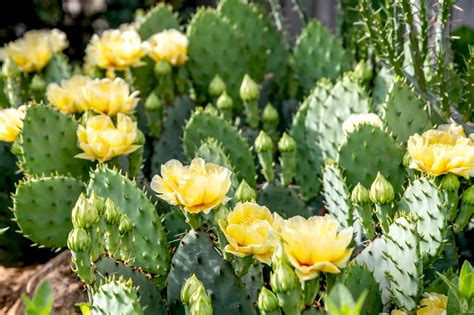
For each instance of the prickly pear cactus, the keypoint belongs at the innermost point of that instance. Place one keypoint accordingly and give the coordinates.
(211, 151)
(203, 125)
(166, 147)
(282, 200)
(424, 200)
(404, 112)
(42, 208)
(150, 297)
(57, 69)
(357, 279)
(215, 49)
(196, 255)
(156, 20)
(319, 54)
(149, 245)
(367, 151)
(336, 194)
(49, 144)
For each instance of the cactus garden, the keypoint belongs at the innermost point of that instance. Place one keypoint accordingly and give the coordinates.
(211, 164)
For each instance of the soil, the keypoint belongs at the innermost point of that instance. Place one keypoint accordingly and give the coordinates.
(67, 288)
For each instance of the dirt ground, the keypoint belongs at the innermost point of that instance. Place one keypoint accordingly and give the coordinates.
(68, 289)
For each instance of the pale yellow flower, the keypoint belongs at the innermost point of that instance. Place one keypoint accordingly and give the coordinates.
(11, 123)
(442, 151)
(249, 231)
(101, 140)
(55, 37)
(169, 45)
(198, 187)
(110, 97)
(355, 120)
(397, 312)
(433, 304)
(115, 49)
(68, 97)
(314, 244)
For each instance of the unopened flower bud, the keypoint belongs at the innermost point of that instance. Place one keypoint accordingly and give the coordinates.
(283, 278)
(217, 86)
(381, 191)
(78, 240)
(407, 160)
(362, 71)
(97, 202)
(189, 288)
(84, 215)
(200, 303)
(126, 225)
(263, 143)
(360, 195)
(112, 212)
(450, 182)
(245, 193)
(286, 143)
(153, 102)
(467, 196)
(162, 68)
(225, 101)
(267, 301)
(270, 115)
(38, 83)
(249, 90)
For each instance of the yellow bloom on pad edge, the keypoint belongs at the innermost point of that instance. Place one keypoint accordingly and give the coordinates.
(198, 187)
(442, 151)
(101, 140)
(249, 231)
(169, 45)
(314, 244)
(68, 97)
(11, 123)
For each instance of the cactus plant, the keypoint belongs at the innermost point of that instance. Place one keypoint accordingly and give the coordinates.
(336, 194)
(282, 200)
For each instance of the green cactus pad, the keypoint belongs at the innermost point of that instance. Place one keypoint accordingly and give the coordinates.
(405, 112)
(156, 20)
(175, 225)
(8, 168)
(282, 200)
(43, 206)
(57, 69)
(383, 81)
(253, 281)
(203, 125)
(357, 279)
(319, 54)
(336, 194)
(424, 200)
(167, 146)
(49, 144)
(309, 184)
(149, 245)
(265, 47)
(150, 297)
(346, 97)
(197, 255)
(215, 48)
(116, 297)
(367, 151)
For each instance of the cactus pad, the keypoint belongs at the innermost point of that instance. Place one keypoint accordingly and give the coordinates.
(43, 207)
(197, 255)
(367, 151)
(282, 200)
(116, 297)
(357, 279)
(156, 20)
(8, 168)
(336, 194)
(203, 125)
(49, 144)
(57, 69)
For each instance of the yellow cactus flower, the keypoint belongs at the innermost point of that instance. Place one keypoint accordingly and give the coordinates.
(433, 304)
(115, 49)
(68, 97)
(55, 37)
(442, 151)
(314, 244)
(355, 120)
(249, 231)
(199, 187)
(11, 123)
(101, 140)
(169, 45)
(110, 97)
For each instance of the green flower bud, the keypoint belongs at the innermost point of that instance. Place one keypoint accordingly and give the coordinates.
(97, 202)
(210, 109)
(245, 193)
(162, 68)
(283, 278)
(126, 225)
(225, 101)
(78, 240)
(270, 115)
(407, 160)
(286, 143)
(267, 301)
(153, 102)
(249, 90)
(140, 139)
(263, 143)
(38, 83)
(363, 71)
(360, 195)
(189, 288)
(467, 196)
(450, 182)
(200, 303)
(84, 215)
(217, 86)
(112, 212)
(381, 191)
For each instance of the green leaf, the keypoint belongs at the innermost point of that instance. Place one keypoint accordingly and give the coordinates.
(340, 301)
(466, 281)
(42, 301)
(452, 287)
